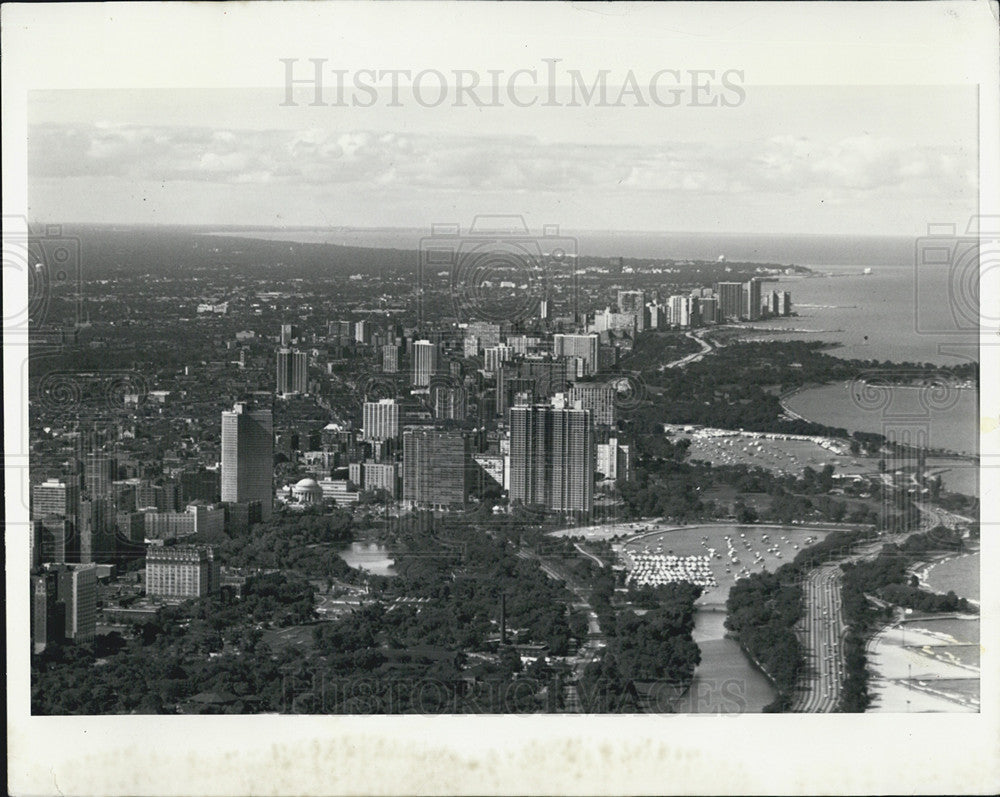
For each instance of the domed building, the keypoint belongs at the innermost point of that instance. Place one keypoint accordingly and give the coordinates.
(307, 491)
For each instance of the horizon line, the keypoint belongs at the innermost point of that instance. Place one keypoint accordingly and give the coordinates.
(404, 228)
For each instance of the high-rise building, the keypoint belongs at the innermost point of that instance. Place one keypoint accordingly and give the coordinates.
(751, 299)
(494, 355)
(390, 358)
(196, 519)
(730, 297)
(549, 376)
(58, 540)
(181, 571)
(54, 497)
(435, 468)
(680, 311)
(552, 458)
(363, 331)
(123, 494)
(631, 301)
(613, 460)
(605, 320)
(380, 419)
(582, 346)
(356, 474)
(486, 333)
(292, 374)
(64, 603)
(130, 528)
(248, 457)
(78, 590)
(55, 506)
(163, 497)
(48, 613)
(448, 402)
(784, 303)
(99, 470)
(708, 307)
(425, 362)
(289, 334)
(598, 397)
(381, 476)
(97, 530)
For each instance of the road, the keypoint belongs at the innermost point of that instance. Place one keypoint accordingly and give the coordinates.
(822, 631)
(588, 554)
(690, 358)
(590, 650)
(823, 626)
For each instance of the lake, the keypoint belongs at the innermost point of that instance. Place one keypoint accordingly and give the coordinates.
(369, 556)
(960, 575)
(885, 315)
(950, 421)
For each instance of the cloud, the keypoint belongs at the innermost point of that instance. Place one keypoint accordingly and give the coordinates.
(785, 164)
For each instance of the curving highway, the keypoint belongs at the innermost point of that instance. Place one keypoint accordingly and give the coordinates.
(822, 628)
(690, 358)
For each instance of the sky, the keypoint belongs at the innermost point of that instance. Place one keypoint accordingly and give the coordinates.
(827, 159)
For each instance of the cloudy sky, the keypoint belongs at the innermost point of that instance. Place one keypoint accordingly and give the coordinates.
(788, 160)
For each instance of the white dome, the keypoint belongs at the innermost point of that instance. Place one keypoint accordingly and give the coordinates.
(307, 484)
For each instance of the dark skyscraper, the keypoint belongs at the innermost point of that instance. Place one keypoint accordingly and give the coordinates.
(552, 458)
(247, 457)
(435, 468)
(292, 374)
(752, 298)
(730, 296)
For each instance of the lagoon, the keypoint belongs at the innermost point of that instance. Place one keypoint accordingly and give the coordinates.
(369, 556)
(726, 682)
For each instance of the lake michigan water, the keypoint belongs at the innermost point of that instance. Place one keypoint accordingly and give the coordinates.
(960, 575)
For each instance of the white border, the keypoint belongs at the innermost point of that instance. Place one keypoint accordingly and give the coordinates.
(229, 45)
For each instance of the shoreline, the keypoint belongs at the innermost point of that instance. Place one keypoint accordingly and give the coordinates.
(903, 671)
(903, 643)
(922, 569)
(931, 452)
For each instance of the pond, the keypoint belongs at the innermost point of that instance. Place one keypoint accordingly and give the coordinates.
(369, 556)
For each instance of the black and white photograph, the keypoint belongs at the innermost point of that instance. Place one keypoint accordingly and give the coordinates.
(527, 398)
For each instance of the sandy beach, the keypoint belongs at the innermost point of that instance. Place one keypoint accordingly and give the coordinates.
(914, 670)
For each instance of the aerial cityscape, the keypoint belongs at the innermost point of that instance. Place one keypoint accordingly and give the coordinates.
(412, 409)
(489, 474)
(500, 398)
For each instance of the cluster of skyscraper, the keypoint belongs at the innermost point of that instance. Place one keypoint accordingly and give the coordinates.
(726, 302)
(522, 404)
